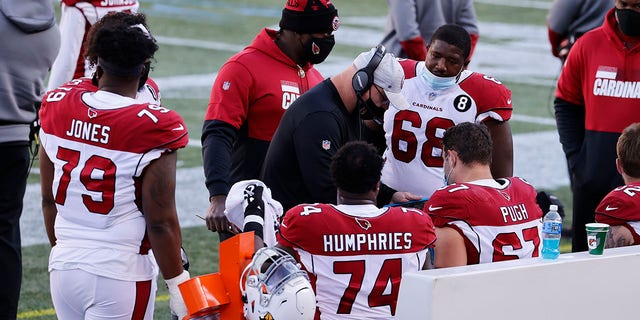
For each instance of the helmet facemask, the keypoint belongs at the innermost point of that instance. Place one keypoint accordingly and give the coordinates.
(274, 287)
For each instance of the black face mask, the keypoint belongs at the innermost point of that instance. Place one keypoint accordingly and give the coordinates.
(370, 111)
(318, 49)
(629, 22)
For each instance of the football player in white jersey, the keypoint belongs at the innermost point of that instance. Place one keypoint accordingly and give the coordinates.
(108, 166)
(149, 92)
(76, 18)
(354, 252)
(480, 219)
(441, 93)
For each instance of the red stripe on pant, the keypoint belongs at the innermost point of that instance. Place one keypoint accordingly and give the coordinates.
(143, 293)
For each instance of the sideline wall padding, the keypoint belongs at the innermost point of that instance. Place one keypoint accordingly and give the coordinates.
(576, 286)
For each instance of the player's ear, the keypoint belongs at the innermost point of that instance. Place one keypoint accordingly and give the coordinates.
(619, 167)
(300, 37)
(466, 64)
(144, 73)
(453, 158)
(99, 72)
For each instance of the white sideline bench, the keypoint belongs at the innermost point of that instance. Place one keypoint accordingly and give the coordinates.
(576, 286)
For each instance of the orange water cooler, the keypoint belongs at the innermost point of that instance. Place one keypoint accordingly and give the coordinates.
(217, 295)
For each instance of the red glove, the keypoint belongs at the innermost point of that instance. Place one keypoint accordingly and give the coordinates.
(555, 40)
(71, 3)
(563, 49)
(474, 41)
(415, 48)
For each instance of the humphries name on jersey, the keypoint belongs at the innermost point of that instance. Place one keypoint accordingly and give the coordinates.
(356, 242)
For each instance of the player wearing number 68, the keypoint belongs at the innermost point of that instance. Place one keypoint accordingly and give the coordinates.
(441, 93)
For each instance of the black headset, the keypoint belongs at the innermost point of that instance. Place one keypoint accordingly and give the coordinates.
(363, 78)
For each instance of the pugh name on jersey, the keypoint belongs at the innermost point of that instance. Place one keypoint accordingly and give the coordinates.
(515, 213)
(355, 242)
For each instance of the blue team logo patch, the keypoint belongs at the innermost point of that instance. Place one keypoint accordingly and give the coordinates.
(462, 103)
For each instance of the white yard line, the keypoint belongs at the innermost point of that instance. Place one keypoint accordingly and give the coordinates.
(201, 44)
(533, 119)
(516, 117)
(517, 53)
(531, 4)
(534, 153)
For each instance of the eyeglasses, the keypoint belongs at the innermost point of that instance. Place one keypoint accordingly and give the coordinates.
(385, 100)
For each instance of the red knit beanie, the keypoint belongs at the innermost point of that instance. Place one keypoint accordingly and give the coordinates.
(310, 16)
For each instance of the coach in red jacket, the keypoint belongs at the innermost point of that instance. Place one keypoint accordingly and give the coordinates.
(598, 96)
(252, 91)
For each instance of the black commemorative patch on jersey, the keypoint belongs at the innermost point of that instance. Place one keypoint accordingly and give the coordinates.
(462, 103)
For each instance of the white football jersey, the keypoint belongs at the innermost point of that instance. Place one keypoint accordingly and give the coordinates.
(413, 158)
(498, 219)
(76, 18)
(100, 143)
(622, 207)
(356, 254)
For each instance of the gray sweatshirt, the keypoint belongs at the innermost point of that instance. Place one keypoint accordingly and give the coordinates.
(570, 17)
(408, 19)
(29, 42)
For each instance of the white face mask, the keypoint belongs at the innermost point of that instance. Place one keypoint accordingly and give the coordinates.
(446, 177)
(438, 83)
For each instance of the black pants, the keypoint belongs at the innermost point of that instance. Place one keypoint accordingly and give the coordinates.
(14, 164)
(224, 235)
(584, 208)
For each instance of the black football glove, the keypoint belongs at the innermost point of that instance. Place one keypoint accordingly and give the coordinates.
(185, 259)
(254, 212)
(255, 204)
(546, 199)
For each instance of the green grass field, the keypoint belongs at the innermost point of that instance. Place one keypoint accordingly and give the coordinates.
(236, 22)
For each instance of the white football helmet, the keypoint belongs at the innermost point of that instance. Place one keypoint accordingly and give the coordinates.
(275, 288)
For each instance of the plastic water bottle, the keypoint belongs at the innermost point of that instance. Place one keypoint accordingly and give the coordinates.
(551, 233)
